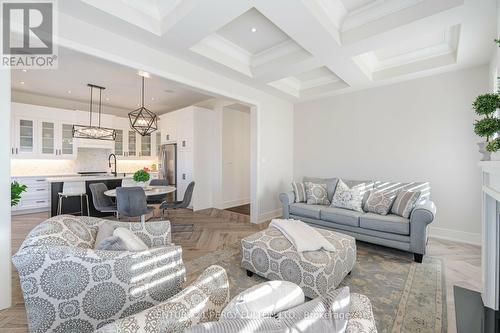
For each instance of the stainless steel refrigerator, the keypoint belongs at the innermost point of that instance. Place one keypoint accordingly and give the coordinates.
(167, 166)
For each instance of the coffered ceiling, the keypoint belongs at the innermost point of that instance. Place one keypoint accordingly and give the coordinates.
(306, 49)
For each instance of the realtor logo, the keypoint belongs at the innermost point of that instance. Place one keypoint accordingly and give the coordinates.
(28, 35)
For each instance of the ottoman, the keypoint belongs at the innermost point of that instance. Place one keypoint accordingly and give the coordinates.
(269, 254)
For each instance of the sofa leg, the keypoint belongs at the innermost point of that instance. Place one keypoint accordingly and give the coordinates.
(249, 273)
(418, 257)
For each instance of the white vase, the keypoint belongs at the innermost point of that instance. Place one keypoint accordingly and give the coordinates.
(141, 184)
(482, 149)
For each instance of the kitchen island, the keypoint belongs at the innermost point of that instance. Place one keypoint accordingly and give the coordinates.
(72, 204)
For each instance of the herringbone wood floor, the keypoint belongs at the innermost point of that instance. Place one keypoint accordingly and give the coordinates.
(215, 229)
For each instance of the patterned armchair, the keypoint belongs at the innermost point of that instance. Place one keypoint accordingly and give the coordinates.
(202, 301)
(69, 286)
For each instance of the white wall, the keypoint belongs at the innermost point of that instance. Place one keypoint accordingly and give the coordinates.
(5, 227)
(272, 121)
(235, 158)
(420, 130)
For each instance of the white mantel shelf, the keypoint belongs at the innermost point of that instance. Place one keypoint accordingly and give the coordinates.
(490, 259)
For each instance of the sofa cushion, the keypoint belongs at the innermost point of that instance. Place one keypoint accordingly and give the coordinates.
(404, 203)
(303, 209)
(331, 184)
(316, 194)
(299, 190)
(379, 202)
(341, 216)
(348, 197)
(386, 223)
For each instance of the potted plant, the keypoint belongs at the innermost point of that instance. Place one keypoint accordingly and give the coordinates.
(485, 105)
(141, 177)
(16, 190)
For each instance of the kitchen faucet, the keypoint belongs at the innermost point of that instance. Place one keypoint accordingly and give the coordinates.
(109, 163)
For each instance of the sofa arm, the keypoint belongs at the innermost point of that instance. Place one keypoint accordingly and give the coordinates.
(107, 284)
(286, 199)
(202, 301)
(422, 215)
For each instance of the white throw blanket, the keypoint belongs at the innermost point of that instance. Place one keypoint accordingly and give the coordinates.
(302, 236)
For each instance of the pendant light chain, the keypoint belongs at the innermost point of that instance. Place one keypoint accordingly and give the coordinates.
(91, 103)
(100, 100)
(143, 91)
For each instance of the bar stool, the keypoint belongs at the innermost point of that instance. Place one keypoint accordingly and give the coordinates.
(73, 189)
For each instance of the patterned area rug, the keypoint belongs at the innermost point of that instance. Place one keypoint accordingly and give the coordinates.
(406, 296)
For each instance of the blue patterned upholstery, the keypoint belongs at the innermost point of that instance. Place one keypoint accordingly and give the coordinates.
(69, 286)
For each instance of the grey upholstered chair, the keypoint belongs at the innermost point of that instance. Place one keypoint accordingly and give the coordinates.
(188, 195)
(157, 199)
(102, 202)
(131, 202)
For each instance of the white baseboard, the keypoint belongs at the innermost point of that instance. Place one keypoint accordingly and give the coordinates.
(233, 203)
(455, 235)
(264, 217)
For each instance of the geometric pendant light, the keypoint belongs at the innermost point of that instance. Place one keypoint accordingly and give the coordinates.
(94, 132)
(142, 120)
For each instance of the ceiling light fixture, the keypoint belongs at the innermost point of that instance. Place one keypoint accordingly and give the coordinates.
(69, 91)
(94, 132)
(25, 70)
(142, 120)
(22, 82)
(253, 29)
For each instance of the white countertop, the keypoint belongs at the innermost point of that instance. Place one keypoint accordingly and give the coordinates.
(85, 178)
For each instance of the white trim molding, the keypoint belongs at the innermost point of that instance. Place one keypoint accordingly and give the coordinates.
(267, 216)
(455, 235)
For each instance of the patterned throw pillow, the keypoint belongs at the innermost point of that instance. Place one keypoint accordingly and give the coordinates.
(300, 192)
(380, 202)
(348, 198)
(316, 194)
(404, 203)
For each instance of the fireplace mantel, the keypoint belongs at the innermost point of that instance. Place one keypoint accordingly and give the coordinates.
(490, 257)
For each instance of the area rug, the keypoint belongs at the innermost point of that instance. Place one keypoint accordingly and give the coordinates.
(406, 296)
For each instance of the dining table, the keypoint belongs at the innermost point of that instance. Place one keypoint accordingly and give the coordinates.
(151, 190)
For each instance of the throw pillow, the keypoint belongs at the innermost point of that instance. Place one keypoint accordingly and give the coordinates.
(404, 203)
(104, 231)
(300, 192)
(316, 194)
(348, 198)
(112, 243)
(264, 300)
(380, 202)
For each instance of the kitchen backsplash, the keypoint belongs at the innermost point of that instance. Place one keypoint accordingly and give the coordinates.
(88, 159)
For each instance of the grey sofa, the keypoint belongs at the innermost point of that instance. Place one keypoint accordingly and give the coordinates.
(388, 230)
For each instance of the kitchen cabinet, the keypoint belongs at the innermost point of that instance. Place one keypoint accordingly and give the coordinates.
(119, 144)
(36, 197)
(24, 140)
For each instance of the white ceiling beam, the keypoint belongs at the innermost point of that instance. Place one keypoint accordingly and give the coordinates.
(315, 39)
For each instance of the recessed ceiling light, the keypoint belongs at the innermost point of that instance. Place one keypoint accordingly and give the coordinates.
(69, 91)
(253, 29)
(152, 98)
(144, 74)
(22, 82)
(25, 70)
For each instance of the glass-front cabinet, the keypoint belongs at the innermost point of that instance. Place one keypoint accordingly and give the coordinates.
(48, 138)
(66, 147)
(145, 145)
(132, 143)
(23, 142)
(119, 151)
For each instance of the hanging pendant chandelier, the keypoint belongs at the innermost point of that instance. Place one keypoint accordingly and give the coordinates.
(94, 132)
(142, 120)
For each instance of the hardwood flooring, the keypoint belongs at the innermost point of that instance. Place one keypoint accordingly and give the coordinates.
(243, 209)
(215, 229)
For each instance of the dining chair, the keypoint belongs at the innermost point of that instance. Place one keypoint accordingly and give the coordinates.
(73, 189)
(157, 199)
(131, 202)
(186, 201)
(102, 202)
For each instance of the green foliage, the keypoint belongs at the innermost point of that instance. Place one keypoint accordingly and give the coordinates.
(141, 176)
(486, 127)
(16, 190)
(486, 104)
(494, 145)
